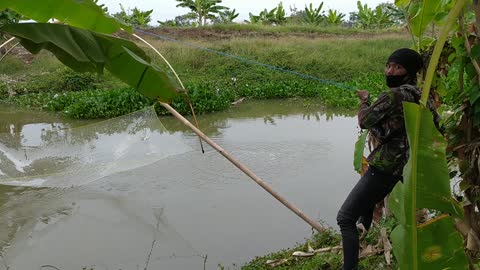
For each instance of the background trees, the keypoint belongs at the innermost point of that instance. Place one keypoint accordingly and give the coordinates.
(134, 17)
(204, 9)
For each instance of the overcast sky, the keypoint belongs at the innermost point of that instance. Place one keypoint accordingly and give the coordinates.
(166, 9)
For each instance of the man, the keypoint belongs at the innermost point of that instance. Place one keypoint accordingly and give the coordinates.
(385, 121)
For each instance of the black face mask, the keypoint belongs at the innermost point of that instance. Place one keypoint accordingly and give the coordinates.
(396, 81)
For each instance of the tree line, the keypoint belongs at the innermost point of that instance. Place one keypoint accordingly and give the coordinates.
(208, 12)
(203, 12)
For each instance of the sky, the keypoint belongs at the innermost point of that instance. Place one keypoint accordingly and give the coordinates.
(166, 9)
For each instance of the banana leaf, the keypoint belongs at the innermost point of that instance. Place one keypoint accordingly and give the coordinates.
(424, 15)
(441, 247)
(426, 185)
(402, 3)
(80, 13)
(358, 153)
(84, 50)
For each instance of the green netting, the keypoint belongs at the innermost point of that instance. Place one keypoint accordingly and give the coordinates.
(60, 157)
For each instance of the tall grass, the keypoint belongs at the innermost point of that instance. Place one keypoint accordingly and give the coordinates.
(43, 62)
(295, 28)
(339, 59)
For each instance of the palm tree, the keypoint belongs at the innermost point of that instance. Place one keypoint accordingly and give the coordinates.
(205, 9)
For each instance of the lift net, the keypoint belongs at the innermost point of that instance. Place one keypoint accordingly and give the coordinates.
(62, 157)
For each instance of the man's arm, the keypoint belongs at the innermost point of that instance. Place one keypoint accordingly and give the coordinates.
(370, 115)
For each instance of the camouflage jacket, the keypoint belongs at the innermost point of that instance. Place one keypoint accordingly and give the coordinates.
(385, 121)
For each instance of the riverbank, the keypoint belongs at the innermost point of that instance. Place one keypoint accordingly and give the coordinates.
(259, 63)
(323, 251)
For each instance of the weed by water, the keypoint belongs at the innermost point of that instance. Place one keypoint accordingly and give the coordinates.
(329, 238)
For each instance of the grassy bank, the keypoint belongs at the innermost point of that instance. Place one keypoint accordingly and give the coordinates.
(327, 260)
(214, 81)
(222, 30)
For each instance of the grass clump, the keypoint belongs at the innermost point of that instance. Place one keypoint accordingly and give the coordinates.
(327, 261)
(318, 240)
(91, 104)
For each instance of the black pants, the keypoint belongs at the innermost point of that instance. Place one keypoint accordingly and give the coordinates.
(359, 206)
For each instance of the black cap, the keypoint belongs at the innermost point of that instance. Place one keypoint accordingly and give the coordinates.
(408, 58)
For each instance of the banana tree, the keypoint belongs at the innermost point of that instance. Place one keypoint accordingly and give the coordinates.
(367, 18)
(434, 244)
(314, 15)
(227, 16)
(365, 15)
(264, 17)
(382, 17)
(205, 9)
(334, 17)
(463, 124)
(134, 17)
(280, 15)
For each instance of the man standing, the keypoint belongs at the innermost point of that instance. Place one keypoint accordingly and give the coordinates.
(385, 121)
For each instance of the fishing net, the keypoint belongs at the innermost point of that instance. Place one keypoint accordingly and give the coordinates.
(64, 157)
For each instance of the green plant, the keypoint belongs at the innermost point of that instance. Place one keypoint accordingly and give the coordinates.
(205, 9)
(76, 81)
(102, 6)
(227, 16)
(435, 244)
(314, 15)
(334, 18)
(189, 19)
(280, 15)
(3, 90)
(463, 121)
(8, 16)
(275, 16)
(134, 17)
(365, 15)
(378, 18)
(264, 17)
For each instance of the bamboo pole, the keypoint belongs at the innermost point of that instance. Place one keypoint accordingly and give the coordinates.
(244, 169)
(6, 42)
(8, 51)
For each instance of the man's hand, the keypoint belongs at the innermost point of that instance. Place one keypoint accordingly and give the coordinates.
(363, 95)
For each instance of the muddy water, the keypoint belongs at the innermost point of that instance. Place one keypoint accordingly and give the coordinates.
(173, 213)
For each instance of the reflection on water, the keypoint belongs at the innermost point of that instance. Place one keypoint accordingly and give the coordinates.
(172, 213)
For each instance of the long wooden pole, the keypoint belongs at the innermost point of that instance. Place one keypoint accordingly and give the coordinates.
(244, 169)
(6, 42)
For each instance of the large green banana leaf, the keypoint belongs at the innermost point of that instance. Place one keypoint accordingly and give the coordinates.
(440, 247)
(358, 153)
(84, 50)
(402, 3)
(422, 14)
(426, 185)
(80, 13)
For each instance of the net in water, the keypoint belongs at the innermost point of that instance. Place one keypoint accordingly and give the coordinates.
(64, 157)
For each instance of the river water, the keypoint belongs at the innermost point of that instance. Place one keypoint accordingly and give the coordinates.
(190, 209)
